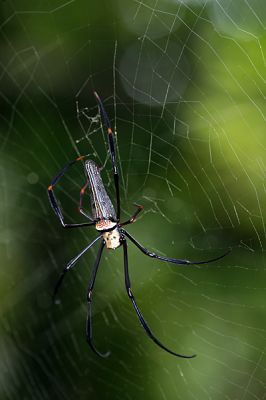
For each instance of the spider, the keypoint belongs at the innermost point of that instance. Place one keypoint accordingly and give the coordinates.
(111, 232)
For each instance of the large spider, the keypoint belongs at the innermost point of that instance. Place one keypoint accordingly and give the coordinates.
(107, 222)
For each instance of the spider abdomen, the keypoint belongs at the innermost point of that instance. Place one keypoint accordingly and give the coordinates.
(102, 207)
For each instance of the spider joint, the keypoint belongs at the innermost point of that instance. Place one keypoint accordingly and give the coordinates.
(89, 296)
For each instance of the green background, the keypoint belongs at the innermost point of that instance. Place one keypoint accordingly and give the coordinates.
(194, 156)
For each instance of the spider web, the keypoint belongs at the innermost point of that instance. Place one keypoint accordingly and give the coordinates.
(183, 83)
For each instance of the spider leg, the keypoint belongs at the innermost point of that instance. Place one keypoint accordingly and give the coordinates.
(70, 265)
(112, 151)
(89, 299)
(171, 260)
(80, 208)
(134, 216)
(54, 202)
(140, 316)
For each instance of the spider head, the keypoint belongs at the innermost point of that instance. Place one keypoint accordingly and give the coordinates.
(112, 239)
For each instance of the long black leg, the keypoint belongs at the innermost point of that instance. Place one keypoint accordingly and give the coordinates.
(70, 265)
(140, 316)
(134, 216)
(89, 299)
(112, 151)
(171, 260)
(54, 202)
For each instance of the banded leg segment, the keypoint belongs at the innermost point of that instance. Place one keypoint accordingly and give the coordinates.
(89, 299)
(70, 265)
(167, 259)
(132, 219)
(142, 321)
(54, 203)
(82, 192)
(112, 151)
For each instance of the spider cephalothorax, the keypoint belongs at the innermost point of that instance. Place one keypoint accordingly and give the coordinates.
(107, 222)
(112, 239)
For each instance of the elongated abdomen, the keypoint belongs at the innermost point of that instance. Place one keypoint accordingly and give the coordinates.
(102, 207)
